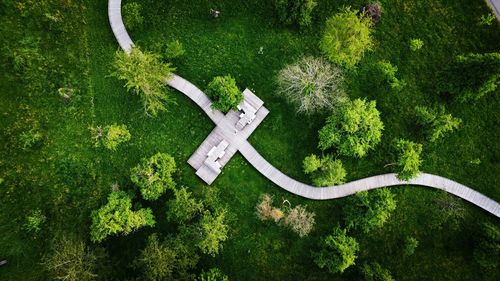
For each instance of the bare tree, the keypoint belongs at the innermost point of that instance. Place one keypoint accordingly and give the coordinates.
(300, 220)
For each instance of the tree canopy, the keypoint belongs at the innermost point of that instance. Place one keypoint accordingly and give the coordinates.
(338, 251)
(183, 207)
(144, 74)
(374, 272)
(346, 38)
(408, 159)
(295, 11)
(353, 129)
(214, 230)
(153, 175)
(324, 171)
(117, 217)
(436, 121)
(224, 93)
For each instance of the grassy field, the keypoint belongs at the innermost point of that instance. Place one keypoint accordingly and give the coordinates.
(67, 177)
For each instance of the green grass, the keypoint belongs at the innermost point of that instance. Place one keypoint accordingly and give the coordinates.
(230, 45)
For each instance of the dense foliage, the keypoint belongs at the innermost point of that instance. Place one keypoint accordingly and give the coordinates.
(214, 274)
(296, 12)
(353, 129)
(144, 74)
(224, 93)
(324, 171)
(183, 207)
(214, 231)
(409, 162)
(487, 251)
(436, 121)
(153, 175)
(131, 14)
(338, 251)
(346, 38)
(111, 136)
(312, 84)
(117, 217)
(375, 272)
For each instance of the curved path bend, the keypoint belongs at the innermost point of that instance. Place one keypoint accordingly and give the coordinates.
(284, 181)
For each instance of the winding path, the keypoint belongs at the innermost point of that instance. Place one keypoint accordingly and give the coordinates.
(284, 181)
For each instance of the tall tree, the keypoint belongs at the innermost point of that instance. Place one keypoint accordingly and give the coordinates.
(183, 207)
(408, 159)
(436, 121)
(353, 129)
(224, 93)
(214, 231)
(117, 217)
(144, 74)
(338, 251)
(153, 175)
(324, 171)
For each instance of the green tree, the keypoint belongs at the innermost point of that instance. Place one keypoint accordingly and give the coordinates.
(144, 74)
(214, 231)
(487, 250)
(170, 259)
(472, 76)
(214, 274)
(72, 260)
(312, 84)
(183, 207)
(416, 44)
(324, 171)
(387, 73)
(374, 272)
(354, 128)
(311, 163)
(408, 159)
(437, 122)
(295, 11)
(338, 251)
(117, 217)
(368, 210)
(132, 17)
(153, 175)
(224, 93)
(346, 38)
(111, 136)
(410, 245)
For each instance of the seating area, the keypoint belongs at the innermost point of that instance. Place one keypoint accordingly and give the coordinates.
(215, 153)
(247, 109)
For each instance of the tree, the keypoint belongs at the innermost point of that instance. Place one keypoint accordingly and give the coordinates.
(374, 272)
(487, 250)
(437, 121)
(331, 172)
(300, 220)
(411, 244)
(174, 50)
(214, 231)
(312, 84)
(224, 93)
(132, 15)
(346, 38)
(183, 207)
(354, 128)
(311, 163)
(153, 176)
(369, 210)
(408, 159)
(167, 260)
(214, 274)
(416, 44)
(117, 217)
(265, 211)
(338, 251)
(72, 260)
(387, 73)
(472, 76)
(144, 74)
(111, 136)
(295, 11)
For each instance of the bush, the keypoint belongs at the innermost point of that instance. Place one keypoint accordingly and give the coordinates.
(375, 272)
(183, 207)
(408, 159)
(174, 50)
(338, 251)
(214, 274)
(295, 11)
(153, 175)
(325, 171)
(111, 136)
(411, 244)
(214, 231)
(145, 75)
(354, 129)
(437, 121)
(35, 220)
(416, 44)
(312, 84)
(373, 11)
(346, 38)
(300, 220)
(311, 163)
(487, 19)
(265, 211)
(31, 138)
(131, 14)
(224, 93)
(388, 74)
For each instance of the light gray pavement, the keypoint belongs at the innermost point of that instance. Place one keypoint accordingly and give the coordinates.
(276, 176)
(495, 7)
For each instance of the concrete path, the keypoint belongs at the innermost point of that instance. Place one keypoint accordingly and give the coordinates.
(495, 7)
(284, 181)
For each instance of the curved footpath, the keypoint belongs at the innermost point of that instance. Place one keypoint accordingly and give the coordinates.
(284, 181)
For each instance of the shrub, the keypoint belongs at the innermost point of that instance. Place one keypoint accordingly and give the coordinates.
(183, 207)
(411, 244)
(373, 11)
(388, 74)
(111, 136)
(375, 272)
(265, 211)
(153, 175)
(214, 231)
(35, 220)
(311, 163)
(224, 93)
(174, 50)
(437, 121)
(145, 75)
(346, 38)
(355, 128)
(300, 220)
(214, 274)
(330, 172)
(31, 138)
(338, 251)
(416, 44)
(408, 159)
(131, 14)
(312, 85)
(295, 11)
(117, 217)
(487, 19)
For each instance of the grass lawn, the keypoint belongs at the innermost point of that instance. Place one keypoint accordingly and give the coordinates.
(67, 177)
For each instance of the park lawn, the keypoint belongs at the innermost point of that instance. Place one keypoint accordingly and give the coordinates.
(230, 45)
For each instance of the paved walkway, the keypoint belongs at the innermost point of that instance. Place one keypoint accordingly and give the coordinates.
(495, 6)
(284, 181)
